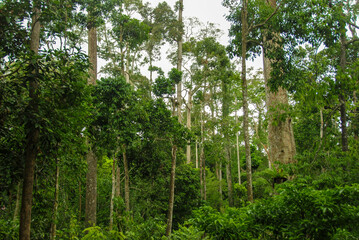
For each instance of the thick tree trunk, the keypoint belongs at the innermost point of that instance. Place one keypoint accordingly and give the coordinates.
(56, 203)
(127, 181)
(245, 101)
(91, 175)
(172, 192)
(32, 138)
(280, 133)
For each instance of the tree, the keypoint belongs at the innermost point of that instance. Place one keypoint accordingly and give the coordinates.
(32, 135)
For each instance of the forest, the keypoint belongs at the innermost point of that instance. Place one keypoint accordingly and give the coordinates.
(98, 140)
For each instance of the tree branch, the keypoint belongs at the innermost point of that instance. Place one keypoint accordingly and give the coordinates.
(265, 21)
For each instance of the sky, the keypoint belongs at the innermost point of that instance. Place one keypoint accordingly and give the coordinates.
(206, 11)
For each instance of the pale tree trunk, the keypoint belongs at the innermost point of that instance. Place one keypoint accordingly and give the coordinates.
(196, 154)
(118, 188)
(91, 175)
(112, 192)
(201, 159)
(238, 157)
(179, 62)
(189, 125)
(127, 71)
(172, 192)
(225, 123)
(245, 101)
(204, 174)
(32, 138)
(127, 181)
(280, 133)
(321, 125)
(18, 199)
(56, 203)
(220, 181)
(229, 177)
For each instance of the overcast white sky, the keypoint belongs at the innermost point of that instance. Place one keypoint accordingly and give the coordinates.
(206, 11)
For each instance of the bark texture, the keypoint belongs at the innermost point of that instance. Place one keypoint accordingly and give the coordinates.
(91, 189)
(32, 138)
(91, 175)
(280, 132)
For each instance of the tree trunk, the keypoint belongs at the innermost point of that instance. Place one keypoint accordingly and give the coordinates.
(280, 133)
(56, 203)
(179, 115)
(179, 62)
(196, 154)
(229, 177)
(189, 125)
(91, 175)
(18, 199)
(238, 157)
(32, 138)
(225, 127)
(112, 192)
(220, 181)
(342, 98)
(245, 101)
(118, 181)
(91, 189)
(203, 160)
(127, 180)
(172, 192)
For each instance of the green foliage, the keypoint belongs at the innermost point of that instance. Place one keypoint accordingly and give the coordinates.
(9, 229)
(166, 86)
(96, 233)
(147, 229)
(188, 233)
(298, 212)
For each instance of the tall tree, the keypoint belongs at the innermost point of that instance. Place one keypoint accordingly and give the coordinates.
(91, 175)
(32, 138)
(280, 132)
